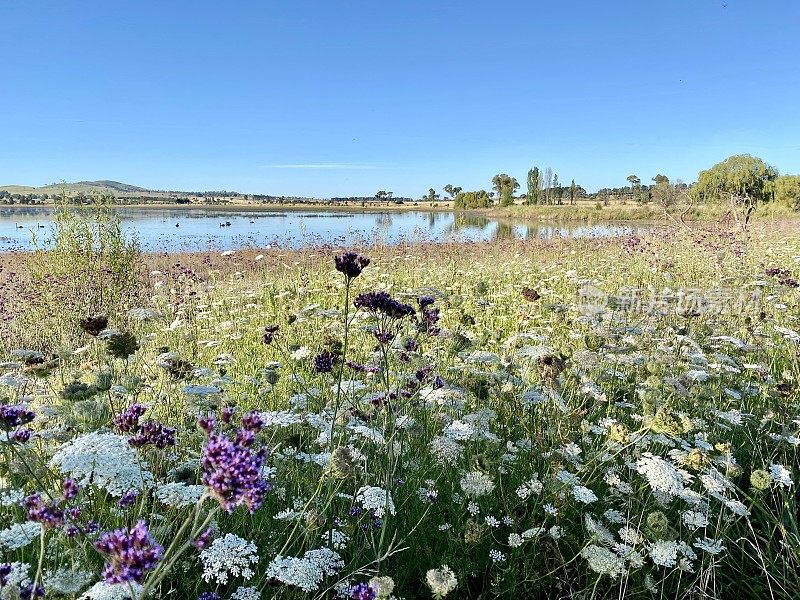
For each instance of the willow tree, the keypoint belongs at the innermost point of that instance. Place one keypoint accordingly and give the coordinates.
(739, 176)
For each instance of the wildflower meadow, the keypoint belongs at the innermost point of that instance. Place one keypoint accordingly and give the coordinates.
(584, 418)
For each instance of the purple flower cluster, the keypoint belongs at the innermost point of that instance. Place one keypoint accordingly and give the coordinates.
(351, 264)
(149, 432)
(429, 318)
(128, 499)
(382, 302)
(784, 277)
(323, 362)
(30, 591)
(130, 553)
(13, 416)
(231, 470)
(49, 514)
(5, 571)
(269, 334)
(153, 433)
(362, 591)
(129, 420)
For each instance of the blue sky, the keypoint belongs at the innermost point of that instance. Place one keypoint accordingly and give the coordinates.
(330, 98)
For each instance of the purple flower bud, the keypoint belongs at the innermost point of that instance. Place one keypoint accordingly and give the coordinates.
(269, 334)
(362, 591)
(21, 435)
(203, 540)
(14, 415)
(70, 489)
(323, 362)
(253, 421)
(351, 264)
(127, 499)
(48, 514)
(227, 413)
(207, 424)
(129, 420)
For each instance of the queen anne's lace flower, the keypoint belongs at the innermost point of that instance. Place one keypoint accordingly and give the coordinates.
(662, 475)
(781, 475)
(307, 572)
(105, 460)
(664, 553)
(228, 556)
(66, 581)
(602, 560)
(441, 581)
(108, 591)
(19, 535)
(179, 494)
(375, 499)
(476, 484)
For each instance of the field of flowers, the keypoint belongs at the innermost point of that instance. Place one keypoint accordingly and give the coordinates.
(566, 419)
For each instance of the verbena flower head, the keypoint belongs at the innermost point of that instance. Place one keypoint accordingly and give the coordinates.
(383, 303)
(129, 420)
(49, 514)
(323, 362)
(14, 415)
(153, 433)
(269, 334)
(233, 473)
(362, 591)
(351, 264)
(130, 553)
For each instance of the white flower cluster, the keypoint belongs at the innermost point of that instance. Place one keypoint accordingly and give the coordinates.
(246, 593)
(113, 591)
(65, 581)
(476, 484)
(307, 572)
(781, 475)
(530, 488)
(19, 535)
(441, 581)
(662, 475)
(104, 459)
(228, 556)
(446, 451)
(179, 494)
(375, 499)
(604, 561)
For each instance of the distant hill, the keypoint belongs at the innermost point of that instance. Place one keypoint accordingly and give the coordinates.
(105, 186)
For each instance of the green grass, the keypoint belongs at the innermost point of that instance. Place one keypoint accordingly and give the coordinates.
(552, 399)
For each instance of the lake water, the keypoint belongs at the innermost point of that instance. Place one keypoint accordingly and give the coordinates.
(186, 229)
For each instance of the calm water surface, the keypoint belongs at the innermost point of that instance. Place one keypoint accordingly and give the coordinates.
(171, 230)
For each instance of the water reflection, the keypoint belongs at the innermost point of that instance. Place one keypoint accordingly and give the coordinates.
(167, 229)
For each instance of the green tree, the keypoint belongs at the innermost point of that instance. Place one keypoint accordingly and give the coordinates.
(432, 196)
(786, 190)
(505, 186)
(465, 200)
(572, 191)
(635, 183)
(534, 186)
(741, 175)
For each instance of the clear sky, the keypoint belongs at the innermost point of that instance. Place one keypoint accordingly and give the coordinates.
(327, 98)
